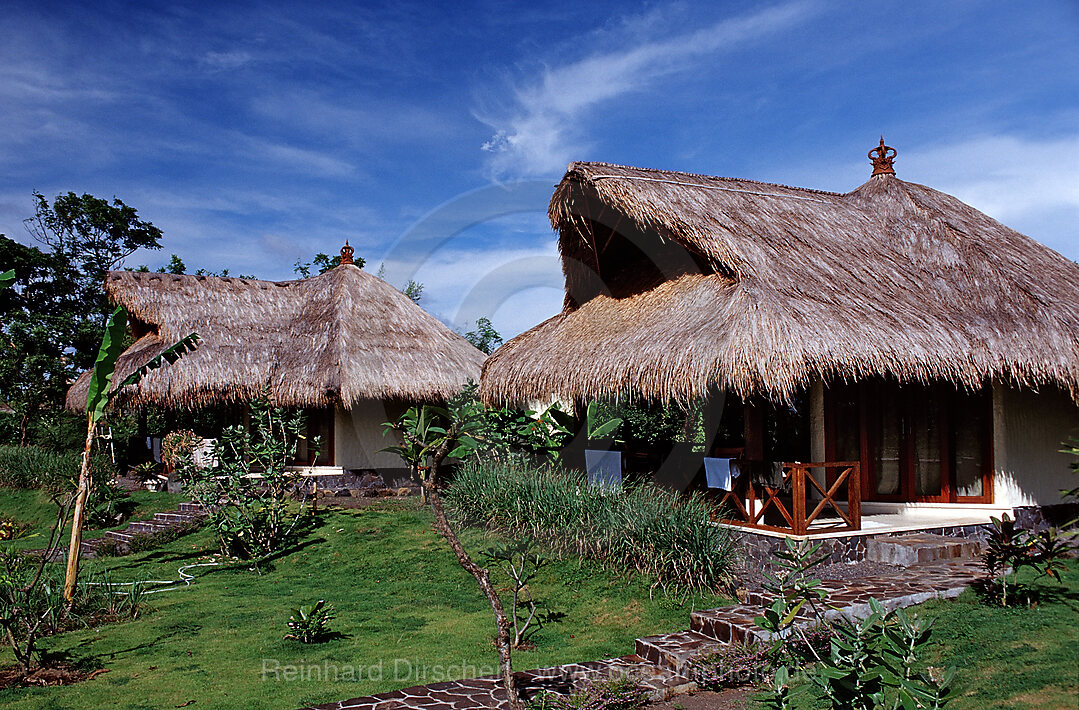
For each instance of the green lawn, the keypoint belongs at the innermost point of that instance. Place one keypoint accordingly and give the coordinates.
(34, 507)
(1015, 657)
(1005, 658)
(408, 614)
(403, 605)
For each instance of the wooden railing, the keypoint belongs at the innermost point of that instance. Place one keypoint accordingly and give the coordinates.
(783, 508)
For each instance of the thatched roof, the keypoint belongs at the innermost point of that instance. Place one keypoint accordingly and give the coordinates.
(340, 337)
(677, 284)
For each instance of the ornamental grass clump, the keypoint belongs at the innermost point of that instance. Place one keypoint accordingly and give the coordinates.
(643, 527)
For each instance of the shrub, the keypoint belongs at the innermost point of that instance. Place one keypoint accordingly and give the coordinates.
(150, 541)
(611, 694)
(1009, 549)
(248, 490)
(735, 665)
(641, 527)
(311, 623)
(10, 528)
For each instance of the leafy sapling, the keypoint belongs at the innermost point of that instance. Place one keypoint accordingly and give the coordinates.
(311, 623)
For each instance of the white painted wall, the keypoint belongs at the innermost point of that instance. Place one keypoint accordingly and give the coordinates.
(358, 436)
(1028, 429)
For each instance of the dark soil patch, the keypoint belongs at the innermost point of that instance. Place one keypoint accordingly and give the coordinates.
(734, 699)
(51, 675)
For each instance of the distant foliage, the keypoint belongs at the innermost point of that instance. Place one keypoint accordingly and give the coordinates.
(484, 337)
(642, 527)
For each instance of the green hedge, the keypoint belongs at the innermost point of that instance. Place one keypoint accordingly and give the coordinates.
(643, 527)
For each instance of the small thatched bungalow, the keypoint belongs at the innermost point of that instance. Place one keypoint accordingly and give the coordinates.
(893, 326)
(345, 346)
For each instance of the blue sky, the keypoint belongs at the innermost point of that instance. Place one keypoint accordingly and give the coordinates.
(431, 134)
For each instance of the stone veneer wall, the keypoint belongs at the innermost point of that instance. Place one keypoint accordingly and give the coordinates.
(757, 549)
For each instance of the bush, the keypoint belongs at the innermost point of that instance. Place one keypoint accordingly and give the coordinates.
(248, 491)
(735, 665)
(611, 694)
(642, 527)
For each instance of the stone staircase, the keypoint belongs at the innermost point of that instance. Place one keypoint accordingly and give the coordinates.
(664, 663)
(712, 629)
(186, 515)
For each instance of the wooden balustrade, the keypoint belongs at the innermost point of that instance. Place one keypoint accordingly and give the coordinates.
(756, 502)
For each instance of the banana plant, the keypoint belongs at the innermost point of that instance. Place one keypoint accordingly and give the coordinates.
(7, 278)
(98, 397)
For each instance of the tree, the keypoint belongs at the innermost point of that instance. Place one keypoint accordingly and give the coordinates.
(484, 337)
(414, 290)
(432, 436)
(95, 234)
(42, 323)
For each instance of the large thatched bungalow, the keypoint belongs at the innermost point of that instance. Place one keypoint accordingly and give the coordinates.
(345, 346)
(893, 327)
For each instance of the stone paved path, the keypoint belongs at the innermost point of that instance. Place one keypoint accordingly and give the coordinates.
(661, 662)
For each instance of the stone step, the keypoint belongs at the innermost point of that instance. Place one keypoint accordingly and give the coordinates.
(148, 527)
(921, 548)
(189, 507)
(175, 518)
(731, 623)
(676, 651)
(120, 536)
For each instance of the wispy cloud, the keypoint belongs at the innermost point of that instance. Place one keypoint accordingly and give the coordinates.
(226, 61)
(541, 129)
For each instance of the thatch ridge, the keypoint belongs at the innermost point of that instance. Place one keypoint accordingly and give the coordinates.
(893, 278)
(337, 338)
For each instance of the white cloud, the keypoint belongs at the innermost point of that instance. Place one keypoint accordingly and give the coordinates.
(516, 288)
(1007, 177)
(540, 132)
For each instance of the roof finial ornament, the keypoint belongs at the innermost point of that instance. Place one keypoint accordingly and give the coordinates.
(882, 157)
(346, 253)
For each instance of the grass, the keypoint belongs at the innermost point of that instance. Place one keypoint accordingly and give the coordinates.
(1006, 659)
(398, 592)
(28, 505)
(1014, 657)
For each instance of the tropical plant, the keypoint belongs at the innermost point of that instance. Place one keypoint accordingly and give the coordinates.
(311, 623)
(1010, 549)
(872, 662)
(521, 564)
(99, 395)
(642, 527)
(28, 598)
(249, 489)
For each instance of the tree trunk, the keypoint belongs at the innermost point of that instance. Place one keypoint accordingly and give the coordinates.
(77, 519)
(484, 580)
